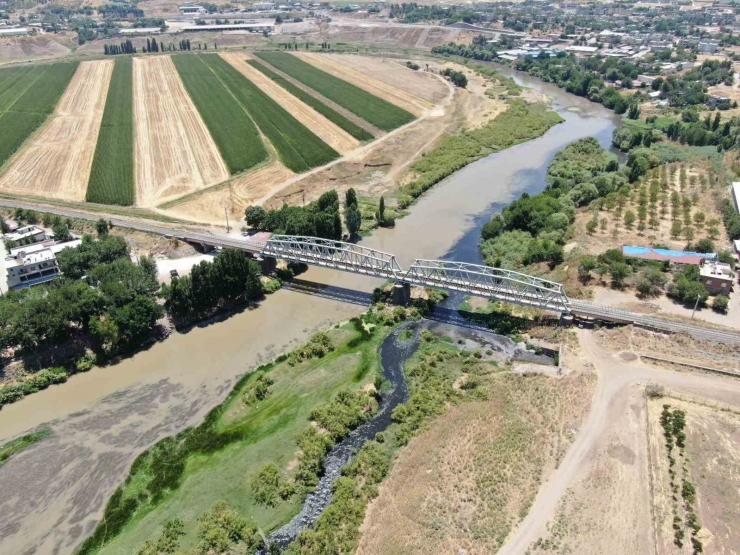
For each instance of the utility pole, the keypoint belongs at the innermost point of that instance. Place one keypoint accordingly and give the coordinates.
(226, 213)
(696, 305)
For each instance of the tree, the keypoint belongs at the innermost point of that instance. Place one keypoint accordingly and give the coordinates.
(381, 210)
(650, 282)
(721, 303)
(704, 245)
(493, 228)
(591, 226)
(61, 233)
(588, 264)
(629, 219)
(350, 198)
(353, 219)
(255, 216)
(619, 272)
(676, 229)
(101, 226)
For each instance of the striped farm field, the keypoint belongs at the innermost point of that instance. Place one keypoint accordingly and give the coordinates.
(298, 148)
(232, 129)
(335, 117)
(372, 109)
(112, 174)
(27, 96)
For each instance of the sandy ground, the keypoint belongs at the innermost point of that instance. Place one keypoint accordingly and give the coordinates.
(617, 414)
(334, 136)
(392, 94)
(41, 47)
(234, 196)
(394, 72)
(56, 161)
(182, 265)
(175, 154)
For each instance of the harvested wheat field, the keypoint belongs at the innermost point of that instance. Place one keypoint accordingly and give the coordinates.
(175, 154)
(234, 196)
(465, 483)
(401, 98)
(331, 134)
(421, 84)
(56, 162)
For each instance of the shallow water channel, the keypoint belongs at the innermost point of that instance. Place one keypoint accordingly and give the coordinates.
(55, 492)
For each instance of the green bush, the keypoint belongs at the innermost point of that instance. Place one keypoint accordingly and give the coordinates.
(222, 530)
(317, 346)
(720, 303)
(266, 485)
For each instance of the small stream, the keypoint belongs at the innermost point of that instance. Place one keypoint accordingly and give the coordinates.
(394, 352)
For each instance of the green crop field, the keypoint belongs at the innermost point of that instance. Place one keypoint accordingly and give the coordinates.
(372, 109)
(112, 174)
(297, 147)
(27, 96)
(233, 131)
(335, 117)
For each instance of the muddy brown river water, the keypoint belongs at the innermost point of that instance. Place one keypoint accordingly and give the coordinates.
(52, 494)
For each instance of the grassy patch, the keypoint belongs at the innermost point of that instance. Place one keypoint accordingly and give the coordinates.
(335, 117)
(297, 147)
(9, 449)
(112, 174)
(183, 476)
(232, 129)
(522, 122)
(372, 109)
(27, 97)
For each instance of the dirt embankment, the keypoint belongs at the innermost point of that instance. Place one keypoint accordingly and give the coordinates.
(56, 161)
(383, 34)
(40, 47)
(175, 154)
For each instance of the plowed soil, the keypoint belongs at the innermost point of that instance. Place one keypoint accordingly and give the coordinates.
(234, 197)
(175, 154)
(414, 104)
(56, 162)
(335, 137)
(393, 72)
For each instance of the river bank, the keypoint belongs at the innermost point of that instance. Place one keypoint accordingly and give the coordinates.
(101, 420)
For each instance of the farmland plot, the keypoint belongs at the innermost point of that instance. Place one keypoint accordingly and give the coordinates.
(297, 147)
(372, 109)
(232, 129)
(175, 154)
(336, 66)
(332, 115)
(335, 137)
(57, 160)
(27, 97)
(112, 175)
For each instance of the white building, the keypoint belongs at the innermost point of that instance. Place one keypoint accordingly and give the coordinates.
(736, 195)
(263, 6)
(26, 235)
(192, 10)
(14, 32)
(708, 47)
(27, 269)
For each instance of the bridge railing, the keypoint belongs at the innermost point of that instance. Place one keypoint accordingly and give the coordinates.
(332, 254)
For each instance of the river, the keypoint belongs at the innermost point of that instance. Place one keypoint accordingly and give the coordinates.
(54, 492)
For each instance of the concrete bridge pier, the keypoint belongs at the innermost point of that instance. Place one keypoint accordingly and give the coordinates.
(401, 294)
(566, 319)
(267, 264)
(202, 247)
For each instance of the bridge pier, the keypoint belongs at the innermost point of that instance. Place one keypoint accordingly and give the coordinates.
(401, 294)
(202, 247)
(267, 264)
(566, 319)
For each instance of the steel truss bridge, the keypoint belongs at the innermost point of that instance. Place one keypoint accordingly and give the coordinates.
(474, 279)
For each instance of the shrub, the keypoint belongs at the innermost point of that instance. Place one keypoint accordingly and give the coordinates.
(317, 346)
(222, 529)
(651, 282)
(721, 303)
(259, 390)
(265, 485)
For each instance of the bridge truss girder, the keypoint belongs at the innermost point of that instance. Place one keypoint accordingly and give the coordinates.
(497, 283)
(333, 254)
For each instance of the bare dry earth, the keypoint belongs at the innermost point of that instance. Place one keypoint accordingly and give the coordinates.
(234, 196)
(423, 36)
(175, 154)
(392, 94)
(41, 47)
(331, 134)
(418, 83)
(57, 160)
(464, 484)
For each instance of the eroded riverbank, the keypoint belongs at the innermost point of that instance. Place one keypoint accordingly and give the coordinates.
(56, 490)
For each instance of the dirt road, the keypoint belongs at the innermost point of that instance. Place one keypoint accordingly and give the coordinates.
(616, 376)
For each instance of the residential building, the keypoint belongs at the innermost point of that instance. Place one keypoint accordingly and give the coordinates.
(26, 235)
(717, 277)
(192, 10)
(663, 255)
(27, 269)
(263, 6)
(736, 195)
(708, 47)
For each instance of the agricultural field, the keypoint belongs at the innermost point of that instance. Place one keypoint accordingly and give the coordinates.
(112, 174)
(374, 110)
(297, 147)
(57, 160)
(332, 115)
(230, 126)
(331, 134)
(175, 154)
(27, 96)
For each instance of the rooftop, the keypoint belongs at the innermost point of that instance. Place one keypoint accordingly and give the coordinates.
(24, 258)
(677, 257)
